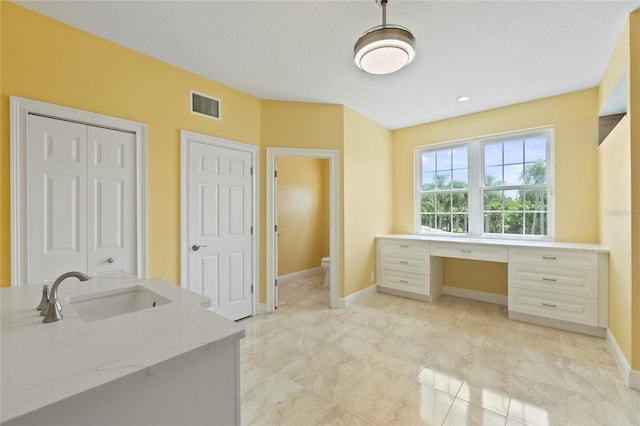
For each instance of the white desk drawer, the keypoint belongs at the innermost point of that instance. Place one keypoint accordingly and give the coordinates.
(581, 310)
(413, 283)
(470, 251)
(574, 282)
(401, 248)
(403, 263)
(550, 257)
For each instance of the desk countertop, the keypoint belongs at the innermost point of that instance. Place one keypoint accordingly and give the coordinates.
(500, 242)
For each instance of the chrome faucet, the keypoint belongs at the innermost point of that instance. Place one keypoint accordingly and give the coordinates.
(53, 311)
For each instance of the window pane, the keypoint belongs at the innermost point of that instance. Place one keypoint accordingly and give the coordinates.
(493, 223)
(493, 176)
(460, 179)
(429, 221)
(444, 203)
(444, 222)
(536, 200)
(429, 161)
(535, 223)
(428, 203)
(513, 200)
(460, 202)
(513, 174)
(444, 160)
(535, 150)
(443, 180)
(513, 152)
(513, 223)
(535, 173)
(492, 201)
(460, 223)
(460, 158)
(428, 181)
(493, 154)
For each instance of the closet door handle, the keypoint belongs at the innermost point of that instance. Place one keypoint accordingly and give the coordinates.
(196, 247)
(110, 260)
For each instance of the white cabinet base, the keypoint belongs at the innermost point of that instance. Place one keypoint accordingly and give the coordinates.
(563, 325)
(199, 387)
(407, 294)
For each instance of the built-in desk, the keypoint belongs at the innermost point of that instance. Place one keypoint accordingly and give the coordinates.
(563, 285)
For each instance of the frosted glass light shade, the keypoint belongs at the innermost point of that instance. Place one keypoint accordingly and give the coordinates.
(383, 50)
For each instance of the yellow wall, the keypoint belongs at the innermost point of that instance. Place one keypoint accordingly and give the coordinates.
(615, 228)
(302, 214)
(368, 199)
(574, 117)
(46, 60)
(302, 125)
(490, 277)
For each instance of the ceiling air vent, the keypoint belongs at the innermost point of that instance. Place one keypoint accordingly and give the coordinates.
(205, 105)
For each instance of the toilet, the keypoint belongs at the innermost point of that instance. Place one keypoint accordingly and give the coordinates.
(326, 267)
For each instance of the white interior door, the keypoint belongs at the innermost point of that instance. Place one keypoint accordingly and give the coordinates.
(276, 235)
(219, 227)
(57, 198)
(112, 201)
(81, 199)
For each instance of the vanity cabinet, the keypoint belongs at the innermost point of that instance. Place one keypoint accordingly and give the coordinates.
(404, 268)
(562, 285)
(557, 284)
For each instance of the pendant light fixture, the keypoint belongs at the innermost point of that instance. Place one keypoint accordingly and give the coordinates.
(384, 49)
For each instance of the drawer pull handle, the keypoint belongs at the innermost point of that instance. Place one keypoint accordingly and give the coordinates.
(549, 257)
(403, 246)
(549, 279)
(404, 281)
(549, 305)
(465, 251)
(404, 262)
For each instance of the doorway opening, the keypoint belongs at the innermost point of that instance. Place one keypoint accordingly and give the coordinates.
(272, 214)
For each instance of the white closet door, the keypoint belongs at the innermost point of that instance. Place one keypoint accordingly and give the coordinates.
(57, 200)
(82, 199)
(112, 201)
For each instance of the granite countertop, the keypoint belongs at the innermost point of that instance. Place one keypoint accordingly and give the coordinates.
(45, 363)
(499, 242)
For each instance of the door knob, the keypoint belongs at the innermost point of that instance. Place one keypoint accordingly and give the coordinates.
(110, 260)
(196, 247)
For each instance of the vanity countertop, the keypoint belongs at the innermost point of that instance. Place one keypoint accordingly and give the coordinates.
(45, 363)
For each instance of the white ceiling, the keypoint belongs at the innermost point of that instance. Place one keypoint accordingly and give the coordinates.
(499, 52)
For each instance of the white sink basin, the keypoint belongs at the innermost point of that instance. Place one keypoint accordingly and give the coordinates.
(111, 303)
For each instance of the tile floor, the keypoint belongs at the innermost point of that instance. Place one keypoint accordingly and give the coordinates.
(396, 361)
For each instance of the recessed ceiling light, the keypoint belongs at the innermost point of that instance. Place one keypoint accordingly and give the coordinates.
(464, 98)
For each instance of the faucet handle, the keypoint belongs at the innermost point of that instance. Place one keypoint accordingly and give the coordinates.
(45, 298)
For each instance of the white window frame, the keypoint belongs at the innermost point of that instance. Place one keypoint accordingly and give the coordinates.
(476, 186)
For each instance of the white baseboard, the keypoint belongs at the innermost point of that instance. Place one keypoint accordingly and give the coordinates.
(262, 308)
(356, 297)
(483, 296)
(631, 377)
(294, 276)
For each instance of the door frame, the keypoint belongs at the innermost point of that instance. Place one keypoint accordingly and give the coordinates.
(187, 136)
(334, 247)
(20, 109)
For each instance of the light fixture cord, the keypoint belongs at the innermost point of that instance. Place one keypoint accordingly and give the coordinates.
(383, 3)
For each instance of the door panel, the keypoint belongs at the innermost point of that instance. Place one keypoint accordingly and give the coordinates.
(220, 209)
(112, 201)
(82, 199)
(57, 198)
